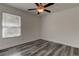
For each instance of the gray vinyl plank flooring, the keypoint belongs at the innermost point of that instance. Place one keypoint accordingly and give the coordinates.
(40, 48)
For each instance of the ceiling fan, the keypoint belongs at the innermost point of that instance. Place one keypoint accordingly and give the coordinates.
(41, 8)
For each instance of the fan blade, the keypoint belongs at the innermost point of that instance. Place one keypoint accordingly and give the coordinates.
(36, 4)
(38, 13)
(32, 9)
(49, 4)
(47, 11)
(41, 3)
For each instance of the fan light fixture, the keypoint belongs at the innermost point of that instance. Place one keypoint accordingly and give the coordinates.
(40, 8)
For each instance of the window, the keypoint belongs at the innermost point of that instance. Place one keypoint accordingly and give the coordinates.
(11, 25)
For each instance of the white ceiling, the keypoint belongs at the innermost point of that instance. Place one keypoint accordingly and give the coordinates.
(54, 8)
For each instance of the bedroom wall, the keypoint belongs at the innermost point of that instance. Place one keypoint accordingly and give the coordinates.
(62, 27)
(30, 27)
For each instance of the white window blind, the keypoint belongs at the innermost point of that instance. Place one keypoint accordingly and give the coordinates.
(11, 25)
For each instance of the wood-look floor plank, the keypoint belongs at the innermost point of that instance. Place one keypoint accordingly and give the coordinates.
(51, 47)
(41, 48)
(58, 51)
(33, 50)
(76, 52)
(54, 50)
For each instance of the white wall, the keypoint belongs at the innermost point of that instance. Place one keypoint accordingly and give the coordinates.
(30, 27)
(62, 27)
